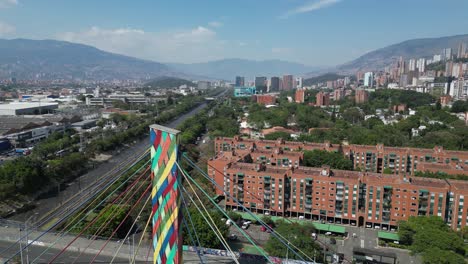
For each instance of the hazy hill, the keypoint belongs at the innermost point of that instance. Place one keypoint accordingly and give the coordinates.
(227, 69)
(168, 82)
(51, 59)
(416, 48)
(322, 78)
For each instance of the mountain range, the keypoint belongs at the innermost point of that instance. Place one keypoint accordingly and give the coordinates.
(227, 69)
(51, 59)
(415, 48)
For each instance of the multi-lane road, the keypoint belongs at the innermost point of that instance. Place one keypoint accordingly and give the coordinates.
(46, 205)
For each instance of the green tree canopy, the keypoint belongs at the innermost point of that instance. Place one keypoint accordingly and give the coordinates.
(296, 234)
(317, 158)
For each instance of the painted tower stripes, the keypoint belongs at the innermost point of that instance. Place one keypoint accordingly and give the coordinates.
(167, 235)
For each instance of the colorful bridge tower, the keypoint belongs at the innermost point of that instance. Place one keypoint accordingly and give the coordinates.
(167, 233)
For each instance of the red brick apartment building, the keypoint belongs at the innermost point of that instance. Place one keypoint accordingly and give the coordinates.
(265, 99)
(266, 176)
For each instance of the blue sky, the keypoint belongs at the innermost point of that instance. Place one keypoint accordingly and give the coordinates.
(316, 32)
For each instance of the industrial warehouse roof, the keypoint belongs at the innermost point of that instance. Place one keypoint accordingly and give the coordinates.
(13, 124)
(17, 106)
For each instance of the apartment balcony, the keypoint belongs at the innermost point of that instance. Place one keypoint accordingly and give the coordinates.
(308, 206)
(339, 198)
(422, 208)
(267, 191)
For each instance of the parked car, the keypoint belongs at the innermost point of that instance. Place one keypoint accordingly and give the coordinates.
(245, 226)
(333, 241)
(263, 229)
(232, 237)
(328, 233)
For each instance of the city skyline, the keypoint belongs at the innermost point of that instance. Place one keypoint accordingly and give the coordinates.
(208, 30)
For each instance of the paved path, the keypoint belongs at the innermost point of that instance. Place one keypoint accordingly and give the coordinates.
(9, 235)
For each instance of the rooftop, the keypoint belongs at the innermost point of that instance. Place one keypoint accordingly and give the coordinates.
(18, 105)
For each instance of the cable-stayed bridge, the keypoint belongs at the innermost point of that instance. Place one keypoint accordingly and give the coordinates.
(153, 185)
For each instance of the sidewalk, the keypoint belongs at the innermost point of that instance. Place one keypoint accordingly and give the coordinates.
(11, 234)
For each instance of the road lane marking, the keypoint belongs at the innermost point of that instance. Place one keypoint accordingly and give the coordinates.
(362, 243)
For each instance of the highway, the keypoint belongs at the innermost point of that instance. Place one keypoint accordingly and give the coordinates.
(119, 159)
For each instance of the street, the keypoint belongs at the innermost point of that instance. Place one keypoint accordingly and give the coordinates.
(45, 205)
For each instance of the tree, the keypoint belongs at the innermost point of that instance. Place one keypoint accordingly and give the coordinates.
(276, 135)
(438, 105)
(317, 158)
(431, 237)
(353, 115)
(296, 234)
(205, 234)
(438, 256)
(459, 106)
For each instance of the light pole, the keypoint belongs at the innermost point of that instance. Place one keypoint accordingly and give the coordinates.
(27, 239)
(20, 247)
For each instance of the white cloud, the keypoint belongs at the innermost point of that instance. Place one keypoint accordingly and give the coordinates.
(8, 3)
(309, 7)
(6, 29)
(197, 44)
(215, 24)
(242, 44)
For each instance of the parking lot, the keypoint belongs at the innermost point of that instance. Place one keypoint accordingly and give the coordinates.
(363, 238)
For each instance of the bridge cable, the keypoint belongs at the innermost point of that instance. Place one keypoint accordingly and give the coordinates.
(198, 244)
(47, 230)
(64, 232)
(218, 235)
(209, 216)
(118, 227)
(249, 238)
(113, 214)
(96, 218)
(131, 229)
(273, 232)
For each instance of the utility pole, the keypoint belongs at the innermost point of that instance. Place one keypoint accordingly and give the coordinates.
(20, 247)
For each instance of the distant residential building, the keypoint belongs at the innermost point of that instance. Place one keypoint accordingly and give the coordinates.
(445, 100)
(300, 96)
(369, 79)
(361, 96)
(261, 84)
(204, 85)
(404, 80)
(436, 58)
(265, 99)
(240, 81)
(461, 50)
(299, 82)
(330, 85)
(347, 81)
(448, 68)
(459, 88)
(287, 82)
(412, 65)
(447, 54)
(244, 91)
(399, 108)
(274, 84)
(322, 99)
(421, 64)
(338, 94)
